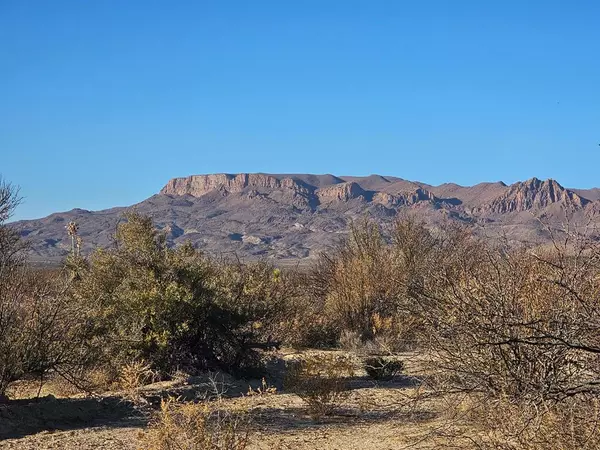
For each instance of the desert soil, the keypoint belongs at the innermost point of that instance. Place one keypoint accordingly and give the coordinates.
(375, 416)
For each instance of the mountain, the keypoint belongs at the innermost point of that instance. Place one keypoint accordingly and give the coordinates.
(295, 216)
(535, 194)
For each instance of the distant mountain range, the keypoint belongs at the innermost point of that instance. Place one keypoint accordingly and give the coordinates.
(295, 216)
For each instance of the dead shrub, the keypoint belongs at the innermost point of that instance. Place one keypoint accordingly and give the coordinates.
(43, 332)
(510, 425)
(511, 323)
(366, 283)
(102, 378)
(321, 381)
(357, 281)
(196, 426)
(59, 387)
(515, 331)
(350, 341)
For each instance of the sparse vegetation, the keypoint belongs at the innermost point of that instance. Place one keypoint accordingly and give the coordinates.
(262, 390)
(41, 330)
(508, 336)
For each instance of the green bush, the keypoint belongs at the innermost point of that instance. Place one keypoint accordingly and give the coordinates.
(175, 308)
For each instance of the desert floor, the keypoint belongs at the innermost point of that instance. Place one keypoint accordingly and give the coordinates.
(376, 415)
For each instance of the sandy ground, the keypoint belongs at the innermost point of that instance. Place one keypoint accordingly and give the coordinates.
(375, 416)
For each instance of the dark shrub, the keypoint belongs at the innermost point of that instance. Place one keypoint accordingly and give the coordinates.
(380, 368)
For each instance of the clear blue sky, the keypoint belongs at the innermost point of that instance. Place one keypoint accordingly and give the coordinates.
(101, 102)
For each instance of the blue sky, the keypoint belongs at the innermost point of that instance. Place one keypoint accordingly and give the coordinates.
(101, 102)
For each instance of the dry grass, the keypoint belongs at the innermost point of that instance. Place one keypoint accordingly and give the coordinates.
(264, 389)
(196, 426)
(133, 376)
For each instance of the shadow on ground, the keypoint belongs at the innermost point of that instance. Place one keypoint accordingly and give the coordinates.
(277, 420)
(292, 418)
(200, 388)
(20, 418)
(398, 382)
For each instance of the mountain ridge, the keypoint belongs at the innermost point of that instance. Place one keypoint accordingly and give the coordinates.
(296, 216)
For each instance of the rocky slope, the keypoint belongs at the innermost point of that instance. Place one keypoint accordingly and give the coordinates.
(295, 216)
(535, 194)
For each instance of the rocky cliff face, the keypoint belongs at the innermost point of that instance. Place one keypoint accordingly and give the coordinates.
(296, 216)
(534, 194)
(405, 198)
(199, 185)
(341, 192)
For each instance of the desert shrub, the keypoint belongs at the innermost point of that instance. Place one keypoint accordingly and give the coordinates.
(356, 279)
(13, 290)
(42, 331)
(101, 378)
(175, 308)
(257, 292)
(310, 329)
(196, 426)
(134, 375)
(350, 341)
(321, 381)
(360, 288)
(512, 323)
(366, 282)
(306, 325)
(515, 330)
(397, 332)
(59, 387)
(381, 368)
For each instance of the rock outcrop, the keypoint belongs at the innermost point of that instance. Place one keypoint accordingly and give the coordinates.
(405, 198)
(340, 192)
(199, 185)
(534, 194)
